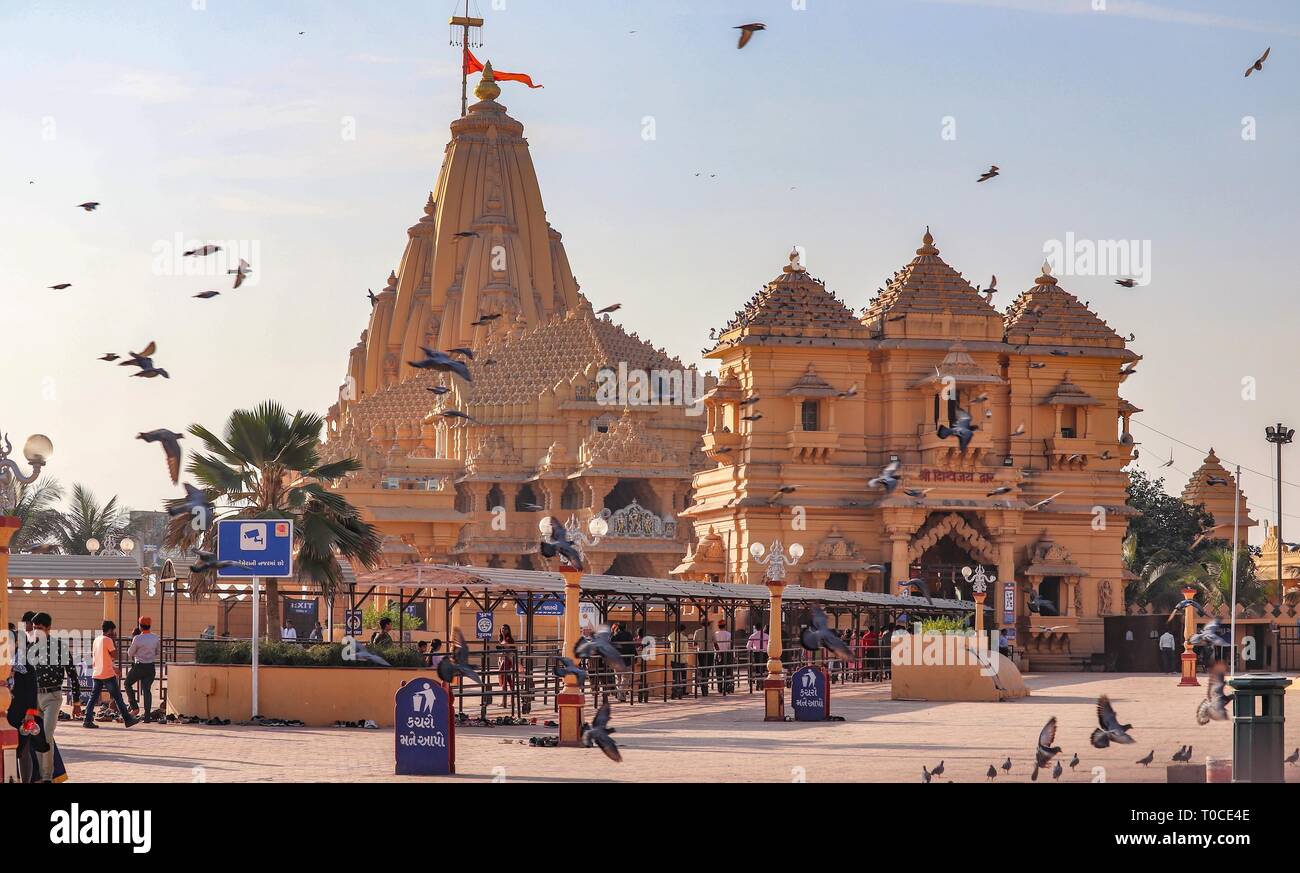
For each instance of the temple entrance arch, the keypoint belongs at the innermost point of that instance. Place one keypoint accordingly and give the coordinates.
(944, 544)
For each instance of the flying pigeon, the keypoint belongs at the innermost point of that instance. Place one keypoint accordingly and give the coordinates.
(463, 352)
(486, 319)
(1215, 705)
(89, 206)
(749, 401)
(918, 585)
(195, 499)
(819, 635)
(433, 360)
(1212, 635)
(962, 429)
(466, 234)
(1111, 731)
(557, 542)
(1046, 500)
(888, 478)
(456, 413)
(566, 667)
(1040, 605)
(142, 359)
(784, 489)
(240, 272)
(62, 286)
(600, 645)
(110, 357)
(757, 416)
(1019, 430)
(1046, 751)
(917, 492)
(1001, 489)
(989, 173)
(747, 32)
(439, 390)
(374, 301)
(207, 295)
(612, 308)
(1258, 66)
(1127, 283)
(1183, 604)
(852, 392)
(598, 734)
(458, 664)
(208, 561)
(203, 251)
(171, 448)
(1151, 756)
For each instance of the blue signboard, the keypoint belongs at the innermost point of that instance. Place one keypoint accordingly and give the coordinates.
(484, 623)
(259, 547)
(540, 606)
(424, 736)
(810, 694)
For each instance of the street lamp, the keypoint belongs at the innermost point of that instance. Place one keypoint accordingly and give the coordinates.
(774, 578)
(1279, 436)
(570, 700)
(37, 451)
(979, 586)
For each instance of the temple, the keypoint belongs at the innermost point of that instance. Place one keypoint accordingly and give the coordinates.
(1213, 487)
(535, 435)
(813, 401)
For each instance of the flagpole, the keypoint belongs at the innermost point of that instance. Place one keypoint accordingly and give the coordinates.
(1236, 511)
(465, 23)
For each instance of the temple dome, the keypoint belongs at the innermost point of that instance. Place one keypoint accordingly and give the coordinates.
(1047, 314)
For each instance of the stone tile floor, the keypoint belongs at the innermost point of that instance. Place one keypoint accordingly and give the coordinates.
(710, 740)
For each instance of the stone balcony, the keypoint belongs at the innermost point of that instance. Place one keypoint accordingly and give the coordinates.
(1069, 453)
(939, 452)
(812, 446)
(721, 445)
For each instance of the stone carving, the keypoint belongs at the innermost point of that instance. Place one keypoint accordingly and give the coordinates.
(961, 531)
(634, 520)
(1103, 598)
(627, 443)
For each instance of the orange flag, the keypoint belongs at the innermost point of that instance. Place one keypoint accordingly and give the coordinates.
(472, 65)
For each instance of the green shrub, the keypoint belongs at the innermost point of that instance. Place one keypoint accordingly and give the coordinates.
(372, 615)
(273, 653)
(945, 626)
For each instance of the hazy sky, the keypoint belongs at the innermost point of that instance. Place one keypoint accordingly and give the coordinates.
(222, 123)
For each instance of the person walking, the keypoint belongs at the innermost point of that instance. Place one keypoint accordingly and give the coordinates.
(677, 646)
(1167, 652)
(704, 648)
(722, 656)
(52, 660)
(382, 638)
(622, 639)
(288, 633)
(143, 653)
(756, 646)
(104, 676)
(507, 665)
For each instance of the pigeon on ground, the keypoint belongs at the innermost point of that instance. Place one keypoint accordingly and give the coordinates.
(457, 664)
(1006, 765)
(991, 773)
(208, 561)
(1046, 751)
(1184, 754)
(1111, 731)
(171, 449)
(819, 635)
(1074, 762)
(937, 771)
(1259, 63)
(557, 542)
(1151, 756)
(1215, 705)
(962, 429)
(925, 775)
(434, 360)
(990, 173)
(1057, 770)
(600, 645)
(747, 32)
(1293, 757)
(598, 734)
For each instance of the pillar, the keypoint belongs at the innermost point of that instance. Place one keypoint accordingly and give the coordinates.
(774, 684)
(899, 563)
(1189, 657)
(571, 699)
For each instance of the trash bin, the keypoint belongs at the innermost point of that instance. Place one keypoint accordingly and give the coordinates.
(1259, 719)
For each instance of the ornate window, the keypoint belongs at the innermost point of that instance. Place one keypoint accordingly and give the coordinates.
(808, 415)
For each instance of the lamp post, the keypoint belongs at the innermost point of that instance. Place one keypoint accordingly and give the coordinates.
(774, 578)
(112, 547)
(37, 451)
(1189, 628)
(570, 700)
(979, 586)
(1280, 436)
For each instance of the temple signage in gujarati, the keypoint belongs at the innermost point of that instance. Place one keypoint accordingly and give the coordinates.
(811, 694)
(425, 739)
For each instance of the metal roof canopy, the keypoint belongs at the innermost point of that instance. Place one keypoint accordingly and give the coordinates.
(84, 567)
(436, 576)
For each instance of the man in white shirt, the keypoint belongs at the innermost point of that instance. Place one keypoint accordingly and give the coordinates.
(288, 632)
(722, 645)
(757, 648)
(1167, 652)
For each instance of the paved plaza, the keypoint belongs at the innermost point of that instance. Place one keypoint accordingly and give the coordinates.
(712, 739)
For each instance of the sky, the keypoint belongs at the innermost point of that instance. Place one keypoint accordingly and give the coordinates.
(308, 135)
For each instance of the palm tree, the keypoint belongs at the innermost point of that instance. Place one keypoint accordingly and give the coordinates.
(37, 507)
(1217, 578)
(268, 465)
(84, 519)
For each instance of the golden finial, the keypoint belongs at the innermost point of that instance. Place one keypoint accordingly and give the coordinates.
(487, 88)
(927, 244)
